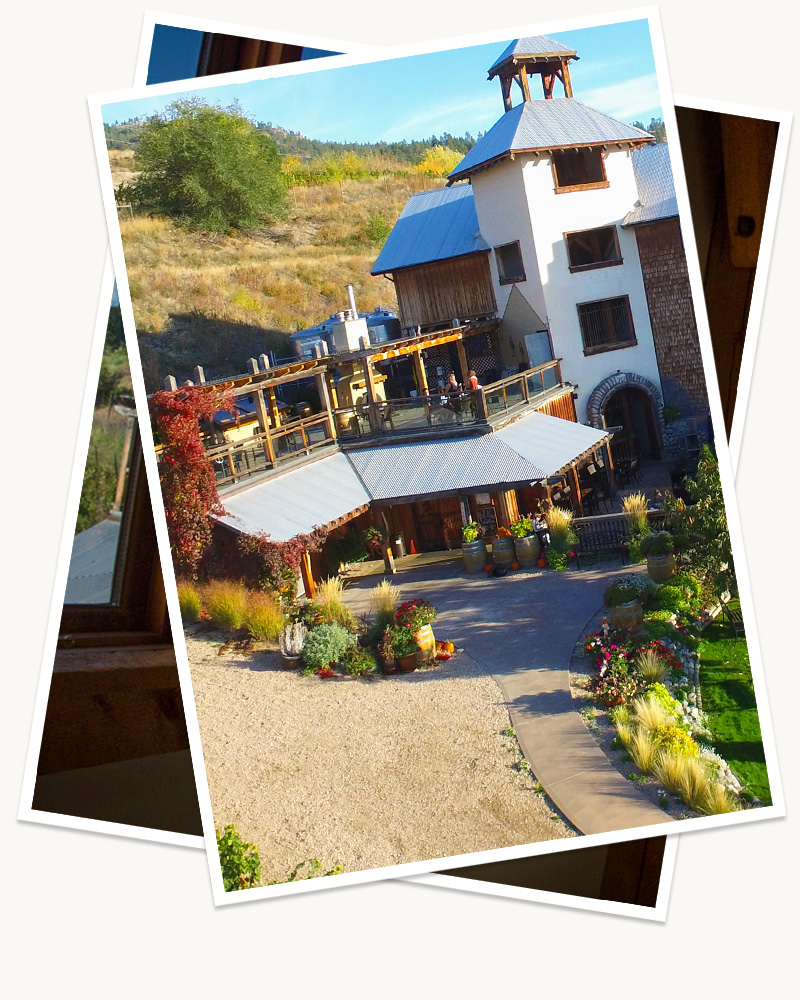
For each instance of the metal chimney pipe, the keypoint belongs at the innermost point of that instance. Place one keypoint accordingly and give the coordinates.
(352, 297)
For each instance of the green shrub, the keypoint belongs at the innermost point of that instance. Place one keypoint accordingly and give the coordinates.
(240, 863)
(675, 740)
(189, 601)
(357, 661)
(670, 598)
(226, 603)
(326, 644)
(657, 543)
(263, 618)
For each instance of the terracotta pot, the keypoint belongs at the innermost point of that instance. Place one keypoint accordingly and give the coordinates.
(528, 550)
(503, 552)
(292, 662)
(630, 615)
(661, 568)
(474, 555)
(388, 665)
(427, 644)
(407, 663)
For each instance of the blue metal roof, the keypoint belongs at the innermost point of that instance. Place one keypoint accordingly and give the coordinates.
(560, 122)
(535, 45)
(656, 185)
(434, 225)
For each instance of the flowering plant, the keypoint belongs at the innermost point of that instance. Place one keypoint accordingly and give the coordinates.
(416, 614)
(503, 532)
(325, 672)
(374, 539)
(670, 659)
(403, 641)
(615, 685)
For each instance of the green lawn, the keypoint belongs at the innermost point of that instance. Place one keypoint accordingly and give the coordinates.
(729, 700)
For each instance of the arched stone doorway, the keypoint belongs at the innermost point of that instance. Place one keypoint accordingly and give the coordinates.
(634, 403)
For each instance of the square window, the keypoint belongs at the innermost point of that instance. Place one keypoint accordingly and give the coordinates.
(579, 169)
(606, 325)
(592, 248)
(509, 263)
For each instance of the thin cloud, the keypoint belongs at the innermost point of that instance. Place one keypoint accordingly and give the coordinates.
(631, 99)
(452, 118)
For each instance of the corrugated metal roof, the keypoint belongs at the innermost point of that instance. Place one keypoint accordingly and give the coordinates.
(535, 45)
(447, 466)
(434, 225)
(656, 185)
(562, 121)
(550, 443)
(297, 501)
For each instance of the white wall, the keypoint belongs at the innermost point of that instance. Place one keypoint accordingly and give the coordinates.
(516, 200)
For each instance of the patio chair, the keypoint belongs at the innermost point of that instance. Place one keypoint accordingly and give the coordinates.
(731, 615)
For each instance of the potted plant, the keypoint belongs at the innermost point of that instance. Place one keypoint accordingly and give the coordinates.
(625, 597)
(503, 548)
(659, 549)
(292, 640)
(405, 648)
(373, 538)
(386, 651)
(473, 547)
(419, 615)
(527, 546)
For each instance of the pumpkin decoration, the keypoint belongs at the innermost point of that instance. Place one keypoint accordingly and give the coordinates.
(542, 564)
(514, 565)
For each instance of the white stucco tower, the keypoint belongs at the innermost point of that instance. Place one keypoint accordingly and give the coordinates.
(553, 181)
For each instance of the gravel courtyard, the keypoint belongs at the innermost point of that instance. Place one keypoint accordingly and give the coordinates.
(361, 773)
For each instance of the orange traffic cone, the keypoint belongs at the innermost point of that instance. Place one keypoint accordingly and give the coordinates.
(412, 547)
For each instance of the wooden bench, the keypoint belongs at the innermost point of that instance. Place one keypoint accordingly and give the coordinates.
(604, 533)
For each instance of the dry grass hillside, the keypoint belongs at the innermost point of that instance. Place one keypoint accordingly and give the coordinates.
(217, 301)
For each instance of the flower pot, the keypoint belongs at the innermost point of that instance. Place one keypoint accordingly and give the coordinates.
(474, 555)
(407, 663)
(628, 615)
(292, 662)
(427, 644)
(661, 568)
(388, 664)
(528, 550)
(503, 552)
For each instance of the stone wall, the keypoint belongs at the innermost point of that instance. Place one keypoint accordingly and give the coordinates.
(669, 298)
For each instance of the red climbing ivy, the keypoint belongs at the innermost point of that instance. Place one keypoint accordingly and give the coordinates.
(187, 477)
(278, 563)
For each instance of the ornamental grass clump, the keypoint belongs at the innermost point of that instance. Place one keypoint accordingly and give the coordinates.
(330, 604)
(649, 713)
(263, 617)
(651, 666)
(383, 600)
(563, 538)
(226, 604)
(325, 646)
(634, 507)
(189, 601)
(694, 783)
(718, 799)
(643, 748)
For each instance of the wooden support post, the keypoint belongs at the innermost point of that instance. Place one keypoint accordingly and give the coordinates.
(325, 400)
(565, 78)
(419, 371)
(263, 424)
(572, 475)
(130, 424)
(334, 396)
(506, 83)
(523, 82)
(272, 402)
(308, 580)
(463, 363)
(386, 547)
(612, 479)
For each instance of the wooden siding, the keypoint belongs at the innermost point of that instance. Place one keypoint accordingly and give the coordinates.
(431, 294)
(562, 407)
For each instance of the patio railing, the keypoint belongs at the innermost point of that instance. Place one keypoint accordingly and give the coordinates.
(240, 459)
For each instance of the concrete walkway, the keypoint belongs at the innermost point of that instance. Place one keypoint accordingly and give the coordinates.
(522, 629)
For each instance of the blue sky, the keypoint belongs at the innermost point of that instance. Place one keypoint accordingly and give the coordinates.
(416, 96)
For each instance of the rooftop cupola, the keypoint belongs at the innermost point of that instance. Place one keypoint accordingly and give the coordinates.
(536, 56)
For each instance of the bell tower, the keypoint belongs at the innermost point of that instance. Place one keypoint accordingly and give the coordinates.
(536, 56)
